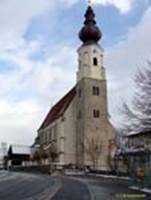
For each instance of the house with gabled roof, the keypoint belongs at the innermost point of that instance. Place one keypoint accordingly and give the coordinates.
(17, 154)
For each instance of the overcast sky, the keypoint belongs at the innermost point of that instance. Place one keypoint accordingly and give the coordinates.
(38, 58)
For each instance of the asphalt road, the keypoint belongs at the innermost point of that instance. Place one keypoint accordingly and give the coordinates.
(22, 186)
(112, 189)
(72, 190)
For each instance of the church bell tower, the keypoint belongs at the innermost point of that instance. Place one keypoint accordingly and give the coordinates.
(91, 102)
(90, 53)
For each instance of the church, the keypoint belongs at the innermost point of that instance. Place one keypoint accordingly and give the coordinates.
(77, 129)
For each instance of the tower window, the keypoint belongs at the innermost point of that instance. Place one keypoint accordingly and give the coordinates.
(96, 113)
(96, 91)
(79, 114)
(79, 63)
(95, 61)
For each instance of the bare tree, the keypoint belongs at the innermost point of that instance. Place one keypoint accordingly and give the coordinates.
(52, 152)
(36, 157)
(137, 117)
(53, 155)
(43, 155)
(93, 148)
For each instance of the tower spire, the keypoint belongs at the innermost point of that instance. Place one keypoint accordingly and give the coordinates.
(90, 32)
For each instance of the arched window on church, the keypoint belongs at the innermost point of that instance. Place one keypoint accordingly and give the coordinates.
(96, 113)
(96, 91)
(95, 61)
(79, 114)
(79, 63)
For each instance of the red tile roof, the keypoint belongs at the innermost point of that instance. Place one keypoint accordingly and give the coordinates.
(58, 109)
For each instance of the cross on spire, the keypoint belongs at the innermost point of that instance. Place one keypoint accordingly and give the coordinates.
(89, 2)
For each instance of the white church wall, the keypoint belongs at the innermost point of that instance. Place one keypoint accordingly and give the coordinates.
(86, 65)
(70, 134)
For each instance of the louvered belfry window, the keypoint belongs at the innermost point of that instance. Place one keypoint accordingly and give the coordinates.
(96, 113)
(96, 91)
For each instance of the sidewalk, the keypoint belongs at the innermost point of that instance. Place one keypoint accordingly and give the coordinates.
(110, 176)
(146, 190)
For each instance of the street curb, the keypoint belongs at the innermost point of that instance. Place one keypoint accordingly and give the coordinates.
(109, 176)
(145, 190)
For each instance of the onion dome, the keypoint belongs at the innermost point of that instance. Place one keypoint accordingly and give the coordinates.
(90, 32)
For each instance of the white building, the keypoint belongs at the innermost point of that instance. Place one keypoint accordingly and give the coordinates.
(17, 154)
(77, 128)
(3, 153)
